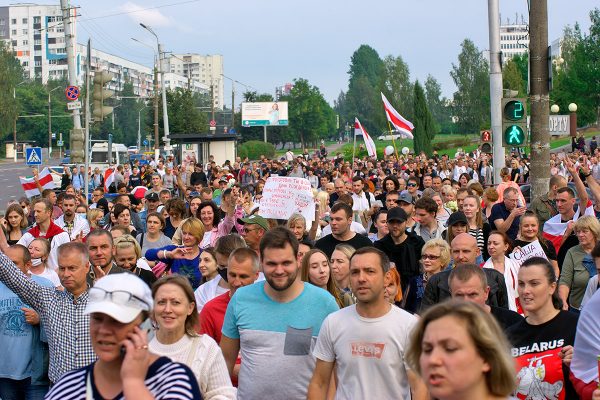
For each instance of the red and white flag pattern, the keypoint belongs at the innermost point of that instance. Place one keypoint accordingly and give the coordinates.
(109, 178)
(554, 228)
(369, 143)
(399, 123)
(31, 188)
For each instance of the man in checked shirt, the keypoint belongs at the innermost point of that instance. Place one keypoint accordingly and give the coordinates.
(61, 312)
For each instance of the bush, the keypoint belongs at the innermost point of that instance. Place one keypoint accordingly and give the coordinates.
(253, 149)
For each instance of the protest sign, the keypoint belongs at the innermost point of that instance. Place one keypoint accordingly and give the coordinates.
(533, 249)
(283, 196)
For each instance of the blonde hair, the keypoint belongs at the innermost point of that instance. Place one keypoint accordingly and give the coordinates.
(489, 341)
(195, 227)
(92, 215)
(323, 198)
(126, 241)
(346, 249)
(295, 219)
(444, 250)
(590, 223)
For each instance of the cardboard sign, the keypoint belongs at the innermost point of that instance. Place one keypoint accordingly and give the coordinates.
(533, 249)
(284, 196)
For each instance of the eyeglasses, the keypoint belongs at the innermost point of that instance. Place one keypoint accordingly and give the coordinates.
(429, 257)
(119, 297)
(411, 184)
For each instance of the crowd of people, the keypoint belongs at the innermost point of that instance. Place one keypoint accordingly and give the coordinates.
(417, 278)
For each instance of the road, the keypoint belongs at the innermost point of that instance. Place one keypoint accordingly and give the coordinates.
(10, 186)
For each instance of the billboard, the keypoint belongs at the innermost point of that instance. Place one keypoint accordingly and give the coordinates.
(265, 114)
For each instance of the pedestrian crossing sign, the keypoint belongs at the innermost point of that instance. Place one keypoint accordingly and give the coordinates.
(33, 156)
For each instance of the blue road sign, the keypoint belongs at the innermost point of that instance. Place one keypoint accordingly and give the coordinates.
(231, 130)
(145, 143)
(33, 156)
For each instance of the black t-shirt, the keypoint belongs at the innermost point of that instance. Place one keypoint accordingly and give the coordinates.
(499, 211)
(327, 244)
(505, 317)
(541, 373)
(547, 247)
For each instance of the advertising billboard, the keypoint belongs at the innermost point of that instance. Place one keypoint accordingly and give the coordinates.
(265, 114)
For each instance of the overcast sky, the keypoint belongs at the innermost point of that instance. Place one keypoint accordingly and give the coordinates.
(266, 43)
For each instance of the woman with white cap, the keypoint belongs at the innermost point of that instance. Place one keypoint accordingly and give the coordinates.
(117, 305)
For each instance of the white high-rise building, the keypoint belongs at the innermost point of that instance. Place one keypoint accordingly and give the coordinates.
(202, 69)
(514, 39)
(35, 33)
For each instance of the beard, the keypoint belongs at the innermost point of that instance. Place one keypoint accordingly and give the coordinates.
(280, 287)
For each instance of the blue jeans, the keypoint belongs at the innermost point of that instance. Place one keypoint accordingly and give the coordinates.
(11, 389)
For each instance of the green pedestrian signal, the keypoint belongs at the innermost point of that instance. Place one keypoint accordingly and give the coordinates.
(514, 122)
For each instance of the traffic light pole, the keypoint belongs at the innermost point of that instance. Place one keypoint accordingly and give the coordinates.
(495, 88)
(538, 97)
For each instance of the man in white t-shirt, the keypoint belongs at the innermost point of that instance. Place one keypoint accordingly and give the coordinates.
(366, 342)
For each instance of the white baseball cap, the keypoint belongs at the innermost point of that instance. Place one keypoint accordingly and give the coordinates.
(122, 296)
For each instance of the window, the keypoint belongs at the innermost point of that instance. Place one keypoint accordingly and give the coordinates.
(25, 42)
(25, 32)
(2, 21)
(38, 63)
(37, 42)
(13, 21)
(37, 20)
(14, 32)
(24, 21)
(14, 43)
(26, 63)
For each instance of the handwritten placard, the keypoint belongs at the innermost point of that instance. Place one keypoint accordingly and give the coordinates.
(533, 249)
(283, 196)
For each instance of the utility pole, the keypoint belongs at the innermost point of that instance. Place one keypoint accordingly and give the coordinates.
(495, 88)
(88, 75)
(49, 126)
(156, 141)
(77, 135)
(212, 101)
(538, 98)
(166, 139)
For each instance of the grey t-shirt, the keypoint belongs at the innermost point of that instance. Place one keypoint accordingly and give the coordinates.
(146, 244)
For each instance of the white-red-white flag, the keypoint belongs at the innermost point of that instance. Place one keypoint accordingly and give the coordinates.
(109, 178)
(369, 143)
(31, 188)
(399, 123)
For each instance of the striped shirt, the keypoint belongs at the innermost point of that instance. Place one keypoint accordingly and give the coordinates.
(67, 328)
(164, 379)
(477, 233)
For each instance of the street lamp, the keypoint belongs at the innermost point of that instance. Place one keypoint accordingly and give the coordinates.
(139, 137)
(554, 108)
(164, 90)
(50, 122)
(15, 124)
(573, 119)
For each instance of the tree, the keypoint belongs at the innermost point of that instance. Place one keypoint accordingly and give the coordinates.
(310, 116)
(472, 99)
(126, 114)
(184, 117)
(12, 75)
(577, 81)
(366, 81)
(437, 104)
(424, 131)
(512, 78)
(397, 88)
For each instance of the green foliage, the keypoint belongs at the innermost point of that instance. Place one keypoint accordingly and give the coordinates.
(577, 80)
(184, 117)
(512, 78)
(472, 100)
(522, 63)
(253, 149)
(126, 116)
(424, 131)
(11, 76)
(398, 88)
(438, 105)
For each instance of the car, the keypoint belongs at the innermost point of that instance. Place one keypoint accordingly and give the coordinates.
(133, 149)
(388, 136)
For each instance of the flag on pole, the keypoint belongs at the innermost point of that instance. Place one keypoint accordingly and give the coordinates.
(30, 187)
(399, 123)
(109, 178)
(554, 228)
(369, 143)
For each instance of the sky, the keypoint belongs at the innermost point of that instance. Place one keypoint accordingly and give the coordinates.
(266, 43)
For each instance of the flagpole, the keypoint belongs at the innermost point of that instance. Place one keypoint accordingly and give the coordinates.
(393, 141)
(353, 147)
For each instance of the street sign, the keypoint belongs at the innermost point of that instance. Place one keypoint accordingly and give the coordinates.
(146, 143)
(72, 92)
(213, 128)
(232, 131)
(74, 105)
(60, 143)
(53, 135)
(33, 156)
(213, 122)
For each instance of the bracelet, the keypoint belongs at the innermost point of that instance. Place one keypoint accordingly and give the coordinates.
(165, 254)
(586, 175)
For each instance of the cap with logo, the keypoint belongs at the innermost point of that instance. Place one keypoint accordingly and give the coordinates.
(406, 197)
(152, 196)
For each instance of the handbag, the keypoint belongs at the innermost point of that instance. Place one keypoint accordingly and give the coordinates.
(161, 269)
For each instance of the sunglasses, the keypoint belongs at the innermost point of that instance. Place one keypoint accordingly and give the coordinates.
(411, 185)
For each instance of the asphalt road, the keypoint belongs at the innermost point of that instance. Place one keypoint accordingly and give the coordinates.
(10, 186)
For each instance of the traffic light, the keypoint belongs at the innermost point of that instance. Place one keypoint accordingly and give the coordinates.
(514, 122)
(101, 94)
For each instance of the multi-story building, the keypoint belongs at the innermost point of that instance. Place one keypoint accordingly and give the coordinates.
(202, 69)
(514, 39)
(35, 33)
(283, 90)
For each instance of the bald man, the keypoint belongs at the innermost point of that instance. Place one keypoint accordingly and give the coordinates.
(464, 251)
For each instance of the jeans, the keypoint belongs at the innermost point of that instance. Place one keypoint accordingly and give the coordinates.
(11, 389)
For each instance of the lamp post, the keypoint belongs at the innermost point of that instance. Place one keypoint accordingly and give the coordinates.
(573, 119)
(164, 88)
(139, 137)
(155, 100)
(15, 122)
(50, 122)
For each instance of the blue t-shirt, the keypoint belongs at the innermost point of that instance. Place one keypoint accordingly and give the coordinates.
(19, 341)
(276, 339)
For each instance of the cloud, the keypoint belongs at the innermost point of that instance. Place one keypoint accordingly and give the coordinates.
(153, 18)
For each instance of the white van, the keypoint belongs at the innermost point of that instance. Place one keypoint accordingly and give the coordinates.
(99, 155)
